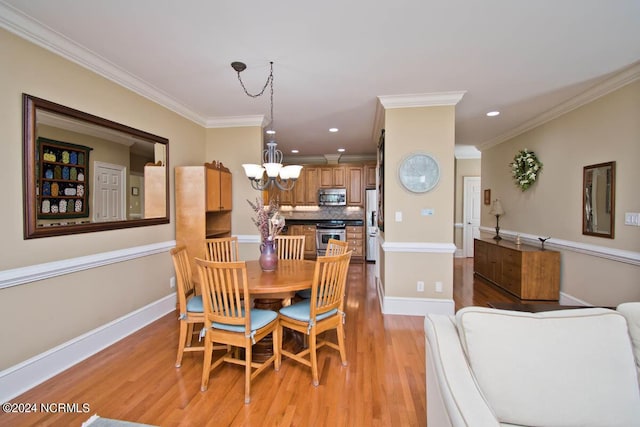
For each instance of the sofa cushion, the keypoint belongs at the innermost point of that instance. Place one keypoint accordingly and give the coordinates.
(559, 368)
(631, 312)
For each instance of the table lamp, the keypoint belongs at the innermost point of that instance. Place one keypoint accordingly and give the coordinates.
(497, 210)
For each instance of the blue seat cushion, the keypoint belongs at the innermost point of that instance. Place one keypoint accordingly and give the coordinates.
(302, 311)
(259, 319)
(194, 304)
(305, 293)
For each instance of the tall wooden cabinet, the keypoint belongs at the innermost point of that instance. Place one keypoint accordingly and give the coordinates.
(203, 205)
(525, 271)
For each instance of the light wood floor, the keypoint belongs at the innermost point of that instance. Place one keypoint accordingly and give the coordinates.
(383, 384)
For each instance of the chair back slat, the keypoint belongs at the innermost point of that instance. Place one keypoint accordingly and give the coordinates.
(290, 247)
(184, 278)
(336, 247)
(225, 292)
(223, 249)
(329, 282)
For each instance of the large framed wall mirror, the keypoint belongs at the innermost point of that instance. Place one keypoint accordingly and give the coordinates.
(83, 173)
(598, 200)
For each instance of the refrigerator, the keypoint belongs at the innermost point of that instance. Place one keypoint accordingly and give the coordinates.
(371, 208)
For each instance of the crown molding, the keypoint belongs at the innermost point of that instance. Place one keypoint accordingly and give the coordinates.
(628, 75)
(236, 121)
(421, 99)
(35, 32)
(466, 152)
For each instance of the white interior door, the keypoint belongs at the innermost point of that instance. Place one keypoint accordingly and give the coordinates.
(471, 208)
(109, 192)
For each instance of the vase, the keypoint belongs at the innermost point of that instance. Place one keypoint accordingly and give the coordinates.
(268, 256)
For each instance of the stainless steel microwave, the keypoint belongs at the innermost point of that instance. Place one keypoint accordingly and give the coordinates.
(332, 196)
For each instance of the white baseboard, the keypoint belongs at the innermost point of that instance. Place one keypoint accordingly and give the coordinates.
(566, 299)
(417, 306)
(19, 378)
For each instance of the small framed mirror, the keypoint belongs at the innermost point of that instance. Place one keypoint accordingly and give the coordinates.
(598, 200)
(84, 173)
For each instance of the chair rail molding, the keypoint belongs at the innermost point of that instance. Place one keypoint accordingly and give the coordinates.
(628, 257)
(32, 273)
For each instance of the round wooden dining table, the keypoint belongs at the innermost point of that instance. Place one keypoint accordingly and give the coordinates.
(288, 277)
(273, 289)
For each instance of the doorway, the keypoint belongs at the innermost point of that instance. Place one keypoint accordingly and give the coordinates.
(471, 227)
(109, 191)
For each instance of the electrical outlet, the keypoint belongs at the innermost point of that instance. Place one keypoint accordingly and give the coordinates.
(420, 286)
(172, 282)
(439, 287)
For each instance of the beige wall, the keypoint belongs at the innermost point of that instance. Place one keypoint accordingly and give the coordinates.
(235, 146)
(407, 130)
(606, 129)
(50, 312)
(464, 168)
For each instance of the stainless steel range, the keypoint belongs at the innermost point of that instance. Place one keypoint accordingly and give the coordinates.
(326, 230)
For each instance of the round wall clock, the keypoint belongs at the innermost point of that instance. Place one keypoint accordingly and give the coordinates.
(419, 172)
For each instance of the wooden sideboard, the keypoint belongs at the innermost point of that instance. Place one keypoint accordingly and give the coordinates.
(522, 270)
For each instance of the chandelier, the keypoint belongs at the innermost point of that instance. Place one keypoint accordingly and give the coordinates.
(282, 177)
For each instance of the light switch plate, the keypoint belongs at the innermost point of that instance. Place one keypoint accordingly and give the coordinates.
(398, 216)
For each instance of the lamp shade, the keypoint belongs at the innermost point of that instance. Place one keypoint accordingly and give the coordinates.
(496, 208)
(253, 171)
(291, 172)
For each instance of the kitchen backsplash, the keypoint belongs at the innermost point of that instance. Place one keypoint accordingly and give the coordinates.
(322, 212)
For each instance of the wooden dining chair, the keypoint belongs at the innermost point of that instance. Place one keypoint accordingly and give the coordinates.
(334, 247)
(290, 247)
(322, 312)
(222, 249)
(229, 319)
(189, 304)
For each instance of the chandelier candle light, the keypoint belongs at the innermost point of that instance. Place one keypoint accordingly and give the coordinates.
(497, 210)
(283, 177)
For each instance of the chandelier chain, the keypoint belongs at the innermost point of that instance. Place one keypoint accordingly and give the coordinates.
(269, 83)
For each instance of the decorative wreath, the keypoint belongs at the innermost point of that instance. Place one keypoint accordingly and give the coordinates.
(525, 169)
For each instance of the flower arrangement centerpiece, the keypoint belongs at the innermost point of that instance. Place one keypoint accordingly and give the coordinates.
(267, 218)
(525, 169)
(270, 223)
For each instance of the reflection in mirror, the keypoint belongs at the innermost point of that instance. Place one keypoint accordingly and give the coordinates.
(598, 201)
(83, 173)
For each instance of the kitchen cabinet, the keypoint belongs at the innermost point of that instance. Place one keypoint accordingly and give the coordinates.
(203, 205)
(525, 271)
(355, 238)
(355, 188)
(332, 177)
(313, 177)
(370, 176)
(309, 233)
(306, 190)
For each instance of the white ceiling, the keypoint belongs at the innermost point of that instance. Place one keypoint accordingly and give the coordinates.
(333, 58)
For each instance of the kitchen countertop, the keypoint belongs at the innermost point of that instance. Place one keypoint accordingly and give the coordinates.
(352, 222)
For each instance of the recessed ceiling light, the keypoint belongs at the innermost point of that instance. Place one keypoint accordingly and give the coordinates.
(294, 151)
(341, 150)
(271, 132)
(333, 129)
(493, 113)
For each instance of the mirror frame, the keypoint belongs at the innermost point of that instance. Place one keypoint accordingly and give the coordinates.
(612, 199)
(30, 106)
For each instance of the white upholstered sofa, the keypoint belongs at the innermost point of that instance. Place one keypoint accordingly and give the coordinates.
(488, 367)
